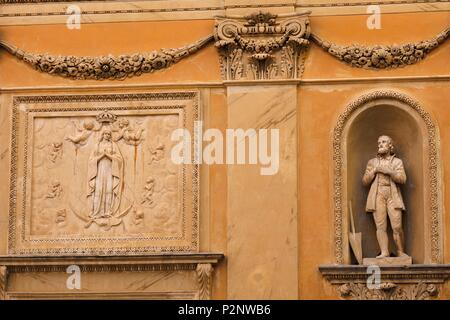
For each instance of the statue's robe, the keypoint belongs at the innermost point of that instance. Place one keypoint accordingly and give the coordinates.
(105, 180)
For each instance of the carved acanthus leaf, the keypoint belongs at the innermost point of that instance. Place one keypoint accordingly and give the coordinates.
(106, 67)
(389, 291)
(260, 45)
(382, 56)
(204, 273)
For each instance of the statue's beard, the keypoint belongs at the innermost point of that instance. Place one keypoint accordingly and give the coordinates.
(383, 151)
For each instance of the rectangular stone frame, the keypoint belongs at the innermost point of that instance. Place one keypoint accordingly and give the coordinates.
(186, 102)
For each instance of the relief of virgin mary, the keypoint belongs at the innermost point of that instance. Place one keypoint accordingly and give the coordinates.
(105, 178)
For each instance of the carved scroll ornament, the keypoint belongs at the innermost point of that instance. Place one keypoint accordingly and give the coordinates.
(261, 46)
(382, 56)
(106, 67)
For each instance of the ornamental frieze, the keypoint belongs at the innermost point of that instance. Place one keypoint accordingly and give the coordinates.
(255, 47)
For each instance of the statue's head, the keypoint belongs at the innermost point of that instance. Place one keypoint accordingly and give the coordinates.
(106, 135)
(123, 123)
(385, 145)
(88, 125)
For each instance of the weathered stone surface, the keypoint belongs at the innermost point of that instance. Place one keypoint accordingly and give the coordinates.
(388, 261)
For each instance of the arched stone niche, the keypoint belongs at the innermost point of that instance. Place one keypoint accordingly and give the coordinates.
(355, 142)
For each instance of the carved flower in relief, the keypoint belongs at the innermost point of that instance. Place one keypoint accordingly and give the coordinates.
(272, 46)
(412, 59)
(105, 66)
(159, 63)
(363, 61)
(418, 54)
(405, 59)
(396, 61)
(356, 51)
(126, 68)
(367, 52)
(381, 58)
(136, 60)
(72, 61)
(395, 50)
(348, 58)
(72, 71)
(408, 49)
(45, 66)
(152, 55)
(146, 67)
(49, 59)
(59, 68)
(84, 67)
(250, 46)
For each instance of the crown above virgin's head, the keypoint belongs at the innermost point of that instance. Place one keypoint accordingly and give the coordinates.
(106, 117)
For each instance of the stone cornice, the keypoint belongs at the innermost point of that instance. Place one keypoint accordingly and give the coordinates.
(174, 261)
(23, 12)
(338, 274)
(411, 282)
(199, 264)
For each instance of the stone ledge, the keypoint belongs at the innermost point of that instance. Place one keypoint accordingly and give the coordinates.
(339, 274)
(109, 263)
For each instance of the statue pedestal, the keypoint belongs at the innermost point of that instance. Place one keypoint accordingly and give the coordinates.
(388, 261)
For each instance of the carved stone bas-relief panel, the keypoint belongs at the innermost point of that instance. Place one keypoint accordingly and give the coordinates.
(93, 174)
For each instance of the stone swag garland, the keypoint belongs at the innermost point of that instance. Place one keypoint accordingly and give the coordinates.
(382, 56)
(124, 66)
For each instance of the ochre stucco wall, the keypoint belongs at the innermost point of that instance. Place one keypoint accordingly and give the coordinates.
(320, 101)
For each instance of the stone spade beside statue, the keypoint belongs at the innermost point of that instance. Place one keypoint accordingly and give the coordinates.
(384, 174)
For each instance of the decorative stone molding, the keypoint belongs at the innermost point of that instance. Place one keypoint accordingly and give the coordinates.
(204, 273)
(416, 282)
(106, 67)
(382, 56)
(389, 291)
(134, 239)
(3, 282)
(431, 182)
(262, 45)
(198, 286)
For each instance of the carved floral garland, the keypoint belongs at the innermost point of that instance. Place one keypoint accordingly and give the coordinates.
(106, 67)
(123, 66)
(382, 57)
